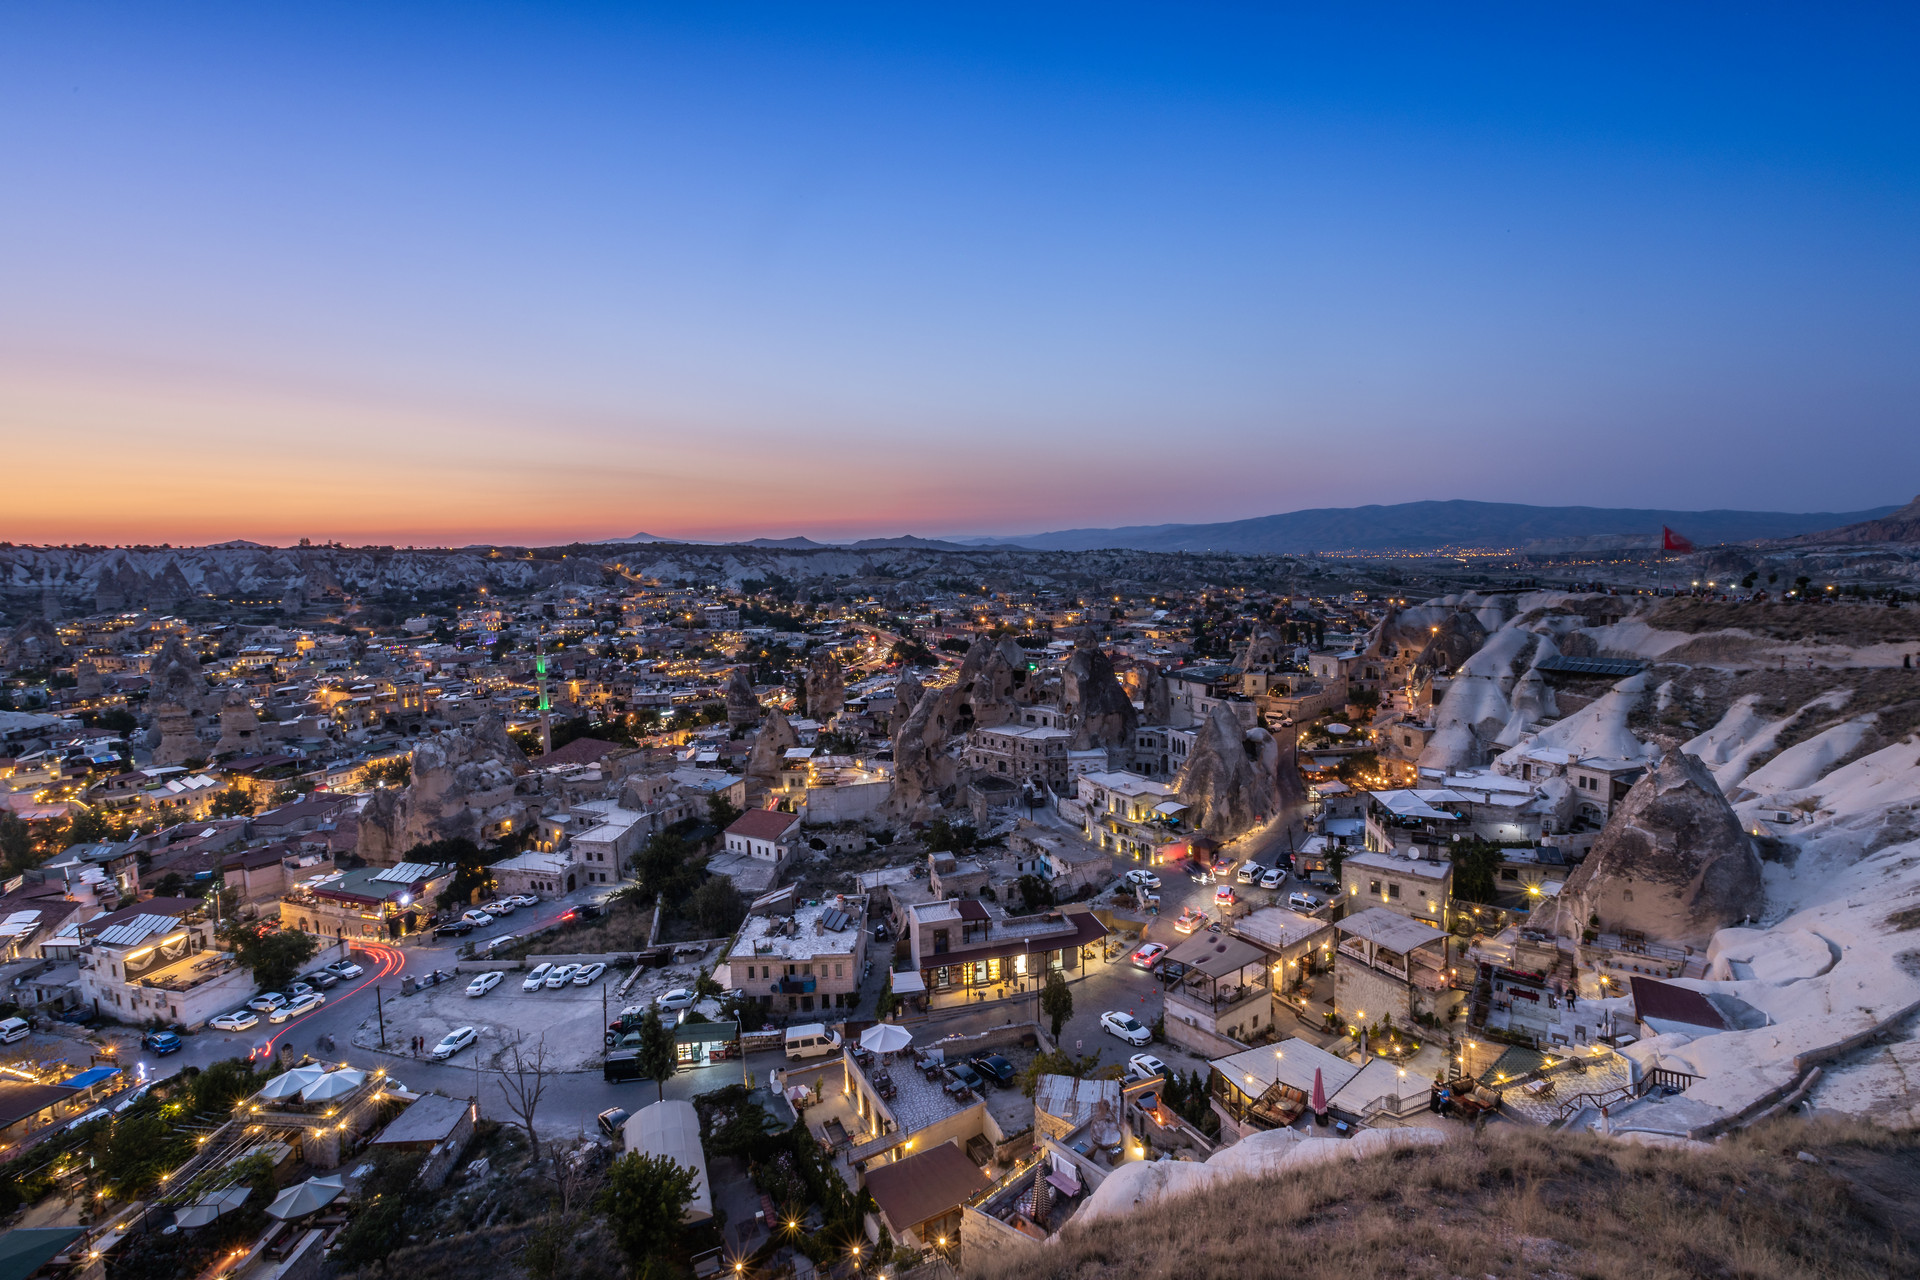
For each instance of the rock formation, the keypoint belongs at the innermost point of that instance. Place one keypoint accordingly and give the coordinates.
(1231, 780)
(1156, 697)
(34, 643)
(239, 726)
(826, 685)
(1091, 692)
(743, 705)
(463, 786)
(1672, 863)
(175, 676)
(906, 696)
(984, 694)
(770, 747)
(1263, 649)
(177, 741)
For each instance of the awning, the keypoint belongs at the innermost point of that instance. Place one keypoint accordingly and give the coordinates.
(1169, 807)
(706, 1032)
(907, 983)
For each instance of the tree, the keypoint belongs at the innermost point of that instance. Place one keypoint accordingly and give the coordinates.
(234, 802)
(720, 811)
(16, 842)
(717, 907)
(471, 870)
(523, 1080)
(88, 826)
(645, 1201)
(389, 1198)
(274, 955)
(656, 1051)
(1056, 1000)
(1035, 892)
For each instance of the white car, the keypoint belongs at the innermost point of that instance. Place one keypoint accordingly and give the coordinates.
(589, 974)
(1275, 877)
(1127, 1027)
(1250, 871)
(238, 1020)
(523, 900)
(1304, 902)
(345, 969)
(562, 974)
(499, 907)
(267, 1001)
(484, 983)
(454, 1041)
(537, 976)
(297, 1006)
(298, 989)
(477, 918)
(679, 998)
(1144, 1066)
(1145, 879)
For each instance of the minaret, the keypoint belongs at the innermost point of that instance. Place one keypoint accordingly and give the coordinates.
(546, 706)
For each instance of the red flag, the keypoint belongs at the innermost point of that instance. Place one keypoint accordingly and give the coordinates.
(1671, 541)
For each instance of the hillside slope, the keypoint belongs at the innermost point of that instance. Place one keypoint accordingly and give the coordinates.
(1422, 525)
(1526, 1202)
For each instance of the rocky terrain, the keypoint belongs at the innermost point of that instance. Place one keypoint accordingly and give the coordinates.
(463, 787)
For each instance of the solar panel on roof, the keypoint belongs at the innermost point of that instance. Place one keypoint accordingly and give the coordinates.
(1592, 666)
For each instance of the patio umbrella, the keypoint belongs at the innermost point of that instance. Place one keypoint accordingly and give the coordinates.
(1319, 1097)
(288, 1083)
(306, 1197)
(211, 1206)
(334, 1084)
(885, 1037)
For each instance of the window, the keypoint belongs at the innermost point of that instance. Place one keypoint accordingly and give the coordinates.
(1373, 887)
(939, 942)
(839, 971)
(1393, 890)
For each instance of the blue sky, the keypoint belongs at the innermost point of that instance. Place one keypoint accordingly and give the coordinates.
(409, 272)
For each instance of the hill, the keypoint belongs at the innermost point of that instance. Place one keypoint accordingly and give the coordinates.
(1420, 526)
(1895, 526)
(1513, 1201)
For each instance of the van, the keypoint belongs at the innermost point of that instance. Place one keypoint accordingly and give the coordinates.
(13, 1029)
(1306, 902)
(812, 1040)
(620, 1067)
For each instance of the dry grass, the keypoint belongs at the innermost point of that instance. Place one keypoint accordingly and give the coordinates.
(1514, 1202)
(1842, 623)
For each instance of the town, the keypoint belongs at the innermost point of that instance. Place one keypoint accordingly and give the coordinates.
(899, 918)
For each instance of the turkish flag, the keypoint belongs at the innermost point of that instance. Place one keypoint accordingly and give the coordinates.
(1671, 541)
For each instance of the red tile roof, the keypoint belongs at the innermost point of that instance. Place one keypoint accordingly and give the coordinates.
(763, 824)
(579, 751)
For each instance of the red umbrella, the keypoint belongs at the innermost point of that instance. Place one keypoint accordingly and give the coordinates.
(1319, 1095)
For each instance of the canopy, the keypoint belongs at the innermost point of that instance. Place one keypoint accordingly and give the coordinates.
(334, 1084)
(886, 1037)
(211, 1206)
(289, 1083)
(304, 1198)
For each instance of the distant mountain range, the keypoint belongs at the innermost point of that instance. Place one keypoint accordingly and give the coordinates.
(1427, 526)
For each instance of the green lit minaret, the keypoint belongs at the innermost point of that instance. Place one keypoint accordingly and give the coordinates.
(546, 706)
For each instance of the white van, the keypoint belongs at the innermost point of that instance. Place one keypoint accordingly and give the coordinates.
(13, 1029)
(812, 1041)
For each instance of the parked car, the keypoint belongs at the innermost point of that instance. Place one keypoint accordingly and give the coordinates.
(484, 983)
(321, 980)
(966, 1075)
(1127, 1027)
(297, 1006)
(161, 1042)
(493, 945)
(880, 932)
(1250, 871)
(266, 1002)
(345, 969)
(1224, 896)
(522, 900)
(1274, 878)
(298, 989)
(238, 1020)
(1149, 955)
(537, 976)
(1307, 902)
(589, 974)
(679, 998)
(560, 975)
(1223, 866)
(500, 906)
(1145, 879)
(477, 918)
(453, 929)
(994, 1067)
(454, 1041)
(1144, 1066)
(613, 1121)
(1190, 919)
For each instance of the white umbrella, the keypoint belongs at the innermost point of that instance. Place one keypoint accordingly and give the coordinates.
(212, 1205)
(288, 1083)
(886, 1037)
(335, 1084)
(304, 1198)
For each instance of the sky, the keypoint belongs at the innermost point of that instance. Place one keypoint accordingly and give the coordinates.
(432, 273)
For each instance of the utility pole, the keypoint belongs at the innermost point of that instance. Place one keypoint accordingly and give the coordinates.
(380, 1013)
